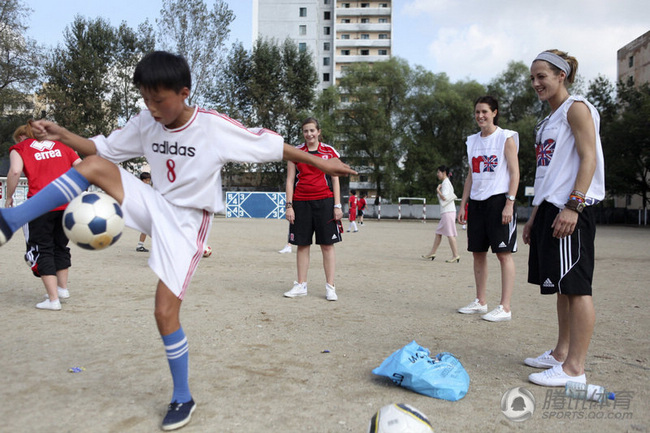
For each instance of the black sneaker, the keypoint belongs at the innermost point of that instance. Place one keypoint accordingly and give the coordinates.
(5, 231)
(178, 415)
(142, 250)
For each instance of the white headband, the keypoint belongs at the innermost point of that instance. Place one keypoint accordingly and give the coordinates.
(554, 60)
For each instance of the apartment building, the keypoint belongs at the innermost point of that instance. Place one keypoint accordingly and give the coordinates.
(633, 60)
(337, 33)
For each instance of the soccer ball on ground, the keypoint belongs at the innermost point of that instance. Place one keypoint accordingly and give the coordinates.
(93, 220)
(207, 251)
(399, 418)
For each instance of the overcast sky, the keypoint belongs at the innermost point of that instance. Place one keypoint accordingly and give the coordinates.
(467, 39)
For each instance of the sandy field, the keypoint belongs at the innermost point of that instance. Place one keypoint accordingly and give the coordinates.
(260, 362)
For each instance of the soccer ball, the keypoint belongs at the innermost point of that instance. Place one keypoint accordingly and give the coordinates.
(399, 418)
(93, 221)
(207, 251)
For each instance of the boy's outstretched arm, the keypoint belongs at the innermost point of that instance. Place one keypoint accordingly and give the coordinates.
(333, 167)
(46, 130)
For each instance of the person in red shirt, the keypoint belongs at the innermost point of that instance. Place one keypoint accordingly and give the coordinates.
(352, 212)
(361, 206)
(313, 207)
(47, 245)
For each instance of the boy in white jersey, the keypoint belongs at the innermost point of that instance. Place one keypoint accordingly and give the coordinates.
(186, 148)
(569, 179)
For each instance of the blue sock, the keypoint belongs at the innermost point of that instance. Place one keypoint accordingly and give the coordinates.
(58, 192)
(177, 350)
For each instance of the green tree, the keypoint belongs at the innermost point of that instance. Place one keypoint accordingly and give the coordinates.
(372, 117)
(19, 55)
(440, 119)
(270, 87)
(188, 28)
(78, 88)
(626, 143)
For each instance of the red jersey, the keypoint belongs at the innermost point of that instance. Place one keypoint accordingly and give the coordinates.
(43, 162)
(311, 183)
(353, 203)
(362, 203)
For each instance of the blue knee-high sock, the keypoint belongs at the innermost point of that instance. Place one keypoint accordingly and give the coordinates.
(58, 192)
(177, 350)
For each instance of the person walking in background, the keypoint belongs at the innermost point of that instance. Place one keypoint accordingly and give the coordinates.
(146, 178)
(569, 179)
(313, 207)
(490, 189)
(447, 224)
(47, 245)
(352, 211)
(361, 207)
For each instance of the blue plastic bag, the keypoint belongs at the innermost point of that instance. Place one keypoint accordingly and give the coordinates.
(441, 377)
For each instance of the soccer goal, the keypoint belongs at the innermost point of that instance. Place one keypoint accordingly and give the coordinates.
(424, 207)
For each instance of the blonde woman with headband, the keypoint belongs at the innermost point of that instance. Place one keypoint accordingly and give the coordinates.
(569, 179)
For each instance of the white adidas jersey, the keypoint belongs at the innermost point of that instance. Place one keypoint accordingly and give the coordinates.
(558, 161)
(186, 162)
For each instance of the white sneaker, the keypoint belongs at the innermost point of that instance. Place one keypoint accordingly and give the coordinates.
(49, 305)
(298, 289)
(63, 293)
(555, 377)
(473, 307)
(286, 249)
(545, 360)
(497, 315)
(331, 292)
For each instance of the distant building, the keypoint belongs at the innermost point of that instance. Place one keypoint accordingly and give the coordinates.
(633, 61)
(337, 32)
(633, 66)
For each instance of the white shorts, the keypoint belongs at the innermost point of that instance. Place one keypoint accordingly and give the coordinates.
(178, 234)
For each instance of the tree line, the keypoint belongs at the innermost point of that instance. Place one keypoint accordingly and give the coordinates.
(396, 123)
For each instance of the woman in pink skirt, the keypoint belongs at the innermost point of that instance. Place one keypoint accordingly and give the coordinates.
(447, 224)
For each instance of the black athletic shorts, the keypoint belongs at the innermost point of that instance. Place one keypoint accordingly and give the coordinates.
(565, 265)
(314, 217)
(47, 244)
(484, 228)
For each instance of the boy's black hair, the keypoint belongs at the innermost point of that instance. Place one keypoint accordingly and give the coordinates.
(160, 69)
(144, 175)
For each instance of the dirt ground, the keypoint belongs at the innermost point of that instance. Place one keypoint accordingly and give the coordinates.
(260, 362)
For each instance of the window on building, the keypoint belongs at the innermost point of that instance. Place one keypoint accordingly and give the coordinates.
(365, 52)
(345, 52)
(302, 47)
(383, 5)
(326, 61)
(302, 30)
(365, 5)
(326, 77)
(365, 36)
(382, 20)
(345, 98)
(365, 20)
(326, 2)
(326, 30)
(383, 36)
(327, 15)
(345, 21)
(382, 52)
(630, 61)
(303, 12)
(345, 5)
(345, 36)
(327, 46)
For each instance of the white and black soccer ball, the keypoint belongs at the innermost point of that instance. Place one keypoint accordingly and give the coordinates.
(93, 220)
(207, 251)
(399, 418)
